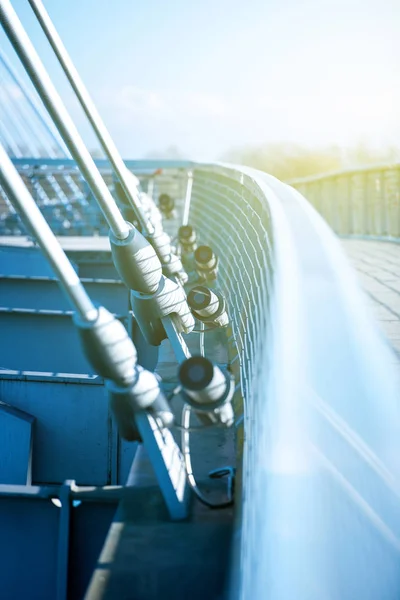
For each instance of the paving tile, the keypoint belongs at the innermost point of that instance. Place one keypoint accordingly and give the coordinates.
(378, 269)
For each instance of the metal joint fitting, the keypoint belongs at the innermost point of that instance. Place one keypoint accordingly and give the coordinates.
(171, 264)
(144, 394)
(207, 389)
(174, 268)
(152, 212)
(108, 347)
(166, 204)
(168, 300)
(206, 263)
(136, 262)
(161, 243)
(187, 239)
(208, 306)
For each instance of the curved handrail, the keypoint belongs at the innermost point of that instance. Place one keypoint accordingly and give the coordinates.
(343, 172)
(320, 404)
(362, 202)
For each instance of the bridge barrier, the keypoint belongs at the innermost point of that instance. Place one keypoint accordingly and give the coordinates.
(73, 434)
(318, 392)
(60, 531)
(44, 293)
(67, 202)
(357, 202)
(35, 315)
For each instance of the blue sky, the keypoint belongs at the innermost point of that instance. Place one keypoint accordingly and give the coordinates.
(209, 75)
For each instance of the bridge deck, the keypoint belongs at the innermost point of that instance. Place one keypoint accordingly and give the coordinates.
(378, 268)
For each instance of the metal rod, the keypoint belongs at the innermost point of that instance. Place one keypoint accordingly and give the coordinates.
(185, 445)
(8, 138)
(150, 187)
(188, 198)
(53, 144)
(39, 144)
(46, 124)
(201, 340)
(91, 112)
(10, 108)
(177, 342)
(64, 540)
(61, 118)
(23, 124)
(26, 207)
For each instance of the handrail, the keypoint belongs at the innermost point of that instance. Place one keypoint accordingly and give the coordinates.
(362, 202)
(342, 172)
(319, 395)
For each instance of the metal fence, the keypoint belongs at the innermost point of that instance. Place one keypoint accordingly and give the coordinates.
(360, 202)
(314, 373)
(66, 200)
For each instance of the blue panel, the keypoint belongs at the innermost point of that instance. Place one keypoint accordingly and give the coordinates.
(141, 166)
(23, 261)
(15, 445)
(127, 452)
(147, 356)
(114, 296)
(73, 434)
(89, 527)
(46, 294)
(41, 341)
(97, 270)
(34, 341)
(28, 549)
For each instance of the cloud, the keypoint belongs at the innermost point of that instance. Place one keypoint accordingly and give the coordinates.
(138, 101)
(199, 104)
(208, 123)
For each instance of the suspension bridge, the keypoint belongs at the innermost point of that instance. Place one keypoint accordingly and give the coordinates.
(199, 366)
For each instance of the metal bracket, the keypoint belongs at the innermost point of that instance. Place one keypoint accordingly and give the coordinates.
(229, 472)
(168, 465)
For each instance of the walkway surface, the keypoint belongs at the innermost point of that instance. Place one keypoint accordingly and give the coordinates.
(378, 269)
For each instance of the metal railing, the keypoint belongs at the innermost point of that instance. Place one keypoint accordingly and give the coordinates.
(358, 202)
(66, 200)
(318, 390)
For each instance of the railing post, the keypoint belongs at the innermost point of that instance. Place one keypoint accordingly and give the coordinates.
(188, 198)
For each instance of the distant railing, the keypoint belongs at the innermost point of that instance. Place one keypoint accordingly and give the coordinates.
(66, 200)
(357, 202)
